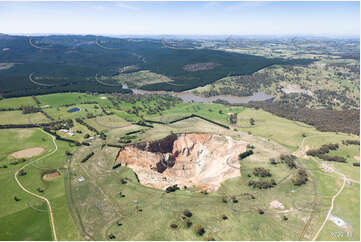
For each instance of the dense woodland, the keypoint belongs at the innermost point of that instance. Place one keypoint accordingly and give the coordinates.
(70, 63)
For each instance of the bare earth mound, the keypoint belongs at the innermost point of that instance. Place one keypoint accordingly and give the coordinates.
(199, 160)
(28, 153)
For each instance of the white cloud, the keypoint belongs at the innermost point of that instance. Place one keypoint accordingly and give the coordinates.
(126, 6)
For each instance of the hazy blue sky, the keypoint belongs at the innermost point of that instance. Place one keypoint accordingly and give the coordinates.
(321, 18)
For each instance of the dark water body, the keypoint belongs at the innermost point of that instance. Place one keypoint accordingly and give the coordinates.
(190, 97)
(73, 110)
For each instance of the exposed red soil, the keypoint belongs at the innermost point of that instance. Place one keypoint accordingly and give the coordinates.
(199, 160)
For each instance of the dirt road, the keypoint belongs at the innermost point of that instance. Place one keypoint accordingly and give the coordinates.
(36, 195)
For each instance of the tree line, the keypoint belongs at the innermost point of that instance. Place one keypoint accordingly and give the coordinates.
(323, 150)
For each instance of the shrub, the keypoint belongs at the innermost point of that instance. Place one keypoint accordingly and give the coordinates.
(199, 230)
(351, 142)
(251, 121)
(261, 172)
(174, 226)
(289, 160)
(224, 217)
(172, 188)
(273, 161)
(245, 154)
(301, 178)
(187, 222)
(187, 213)
(263, 184)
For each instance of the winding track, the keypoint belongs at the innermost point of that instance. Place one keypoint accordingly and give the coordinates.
(332, 202)
(36, 195)
(334, 196)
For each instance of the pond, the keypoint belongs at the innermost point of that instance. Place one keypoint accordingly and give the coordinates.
(76, 109)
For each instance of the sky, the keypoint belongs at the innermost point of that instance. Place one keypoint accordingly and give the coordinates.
(181, 18)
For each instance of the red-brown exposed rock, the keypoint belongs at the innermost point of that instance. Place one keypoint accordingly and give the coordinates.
(199, 160)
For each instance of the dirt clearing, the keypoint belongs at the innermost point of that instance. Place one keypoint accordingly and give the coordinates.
(28, 153)
(51, 176)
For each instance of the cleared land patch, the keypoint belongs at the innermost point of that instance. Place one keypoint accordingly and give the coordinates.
(140, 78)
(27, 153)
(200, 66)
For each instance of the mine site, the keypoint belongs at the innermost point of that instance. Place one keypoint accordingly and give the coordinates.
(186, 160)
(180, 120)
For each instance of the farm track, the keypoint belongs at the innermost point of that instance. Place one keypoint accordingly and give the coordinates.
(73, 210)
(332, 202)
(315, 200)
(38, 83)
(36, 195)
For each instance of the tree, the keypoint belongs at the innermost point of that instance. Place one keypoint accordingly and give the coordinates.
(224, 217)
(251, 121)
(187, 213)
(174, 226)
(233, 118)
(199, 230)
(22, 173)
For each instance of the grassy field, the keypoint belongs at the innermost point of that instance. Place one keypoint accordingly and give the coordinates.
(60, 113)
(28, 219)
(59, 99)
(286, 132)
(104, 209)
(141, 78)
(17, 117)
(168, 208)
(135, 224)
(108, 122)
(347, 207)
(217, 112)
(17, 102)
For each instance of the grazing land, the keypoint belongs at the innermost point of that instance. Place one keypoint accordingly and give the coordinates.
(83, 158)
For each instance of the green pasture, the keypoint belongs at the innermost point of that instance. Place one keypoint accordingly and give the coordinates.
(59, 99)
(28, 219)
(17, 102)
(17, 117)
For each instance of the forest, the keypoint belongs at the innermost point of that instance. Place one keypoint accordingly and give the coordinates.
(70, 63)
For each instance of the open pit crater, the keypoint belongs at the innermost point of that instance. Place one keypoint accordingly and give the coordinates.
(199, 160)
